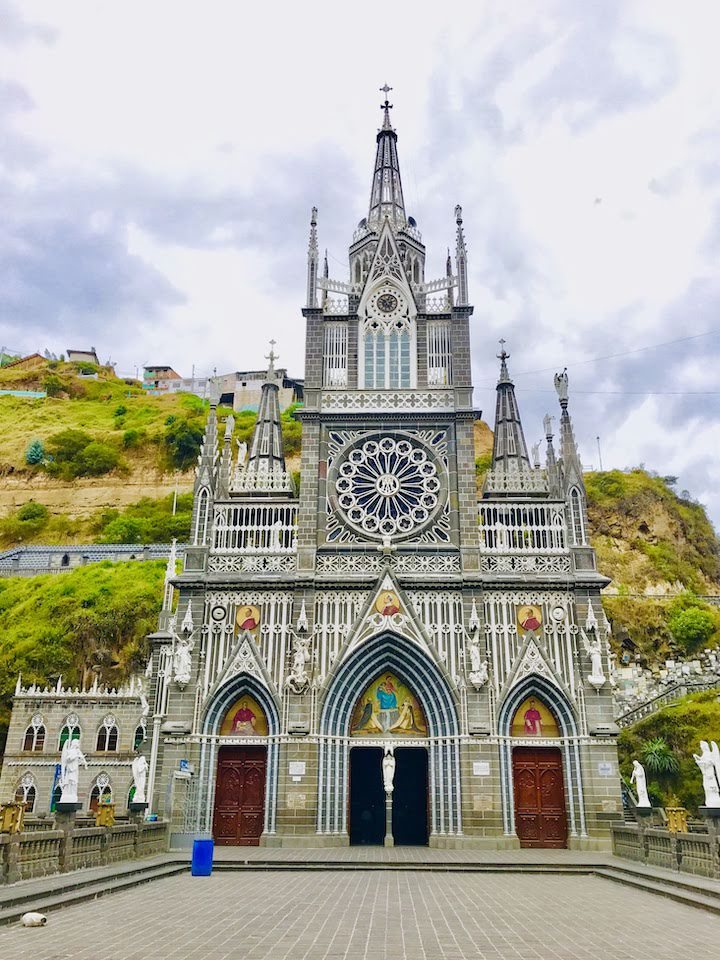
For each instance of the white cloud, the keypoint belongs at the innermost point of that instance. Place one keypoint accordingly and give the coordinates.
(179, 147)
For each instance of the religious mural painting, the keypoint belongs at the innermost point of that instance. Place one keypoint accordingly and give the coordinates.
(248, 618)
(533, 719)
(388, 603)
(245, 718)
(388, 706)
(529, 618)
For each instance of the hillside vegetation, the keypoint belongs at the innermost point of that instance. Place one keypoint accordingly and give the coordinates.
(676, 732)
(89, 622)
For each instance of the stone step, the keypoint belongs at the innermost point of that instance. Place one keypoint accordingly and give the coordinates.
(449, 866)
(674, 890)
(74, 888)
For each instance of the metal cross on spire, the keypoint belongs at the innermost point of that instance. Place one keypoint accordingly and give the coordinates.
(387, 107)
(502, 355)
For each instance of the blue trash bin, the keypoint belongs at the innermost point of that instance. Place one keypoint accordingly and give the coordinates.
(202, 858)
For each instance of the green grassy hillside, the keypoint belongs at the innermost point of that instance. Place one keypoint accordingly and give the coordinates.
(89, 622)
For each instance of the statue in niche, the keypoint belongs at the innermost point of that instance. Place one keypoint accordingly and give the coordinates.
(139, 772)
(706, 761)
(182, 660)
(593, 649)
(639, 779)
(388, 769)
(478, 673)
(70, 760)
(298, 680)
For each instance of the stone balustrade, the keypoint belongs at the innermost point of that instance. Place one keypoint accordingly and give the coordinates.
(44, 849)
(697, 851)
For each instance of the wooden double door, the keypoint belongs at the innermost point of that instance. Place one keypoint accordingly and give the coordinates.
(240, 796)
(540, 816)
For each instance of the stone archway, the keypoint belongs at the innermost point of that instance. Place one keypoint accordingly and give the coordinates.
(404, 658)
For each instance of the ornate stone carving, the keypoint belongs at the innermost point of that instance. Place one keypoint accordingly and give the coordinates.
(374, 400)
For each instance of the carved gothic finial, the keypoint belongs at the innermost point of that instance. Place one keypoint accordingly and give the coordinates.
(271, 357)
(503, 355)
(387, 107)
(547, 423)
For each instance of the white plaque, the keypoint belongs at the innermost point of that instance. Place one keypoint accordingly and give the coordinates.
(605, 768)
(481, 768)
(297, 768)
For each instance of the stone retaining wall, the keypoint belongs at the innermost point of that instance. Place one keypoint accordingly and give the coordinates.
(39, 852)
(686, 852)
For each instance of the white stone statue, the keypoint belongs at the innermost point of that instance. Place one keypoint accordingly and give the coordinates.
(388, 769)
(182, 660)
(70, 760)
(561, 384)
(640, 781)
(594, 651)
(715, 754)
(706, 762)
(478, 673)
(298, 679)
(242, 454)
(139, 772)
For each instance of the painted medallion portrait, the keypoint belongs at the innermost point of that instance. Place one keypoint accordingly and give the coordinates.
(388, 603)
(529, 617)
(248, 618)
(533, 719)
(388, 707)
(245, 718)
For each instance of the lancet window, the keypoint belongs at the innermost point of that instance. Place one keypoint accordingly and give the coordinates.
(201, 524)
(577, 522)
(387, 355)
(107, 738)
(70, 731)
(139, 736)
(26, 792)
(34, 738)
(101, 792)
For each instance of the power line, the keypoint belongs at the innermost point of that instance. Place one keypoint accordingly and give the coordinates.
(617, 393)
(617, 356)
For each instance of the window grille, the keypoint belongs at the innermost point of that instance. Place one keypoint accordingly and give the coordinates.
(439, 354)
(335, 349)
(139, 736)
(101, 792)
(577, 521)
(387, 357)
(201, 524)
(522, 528)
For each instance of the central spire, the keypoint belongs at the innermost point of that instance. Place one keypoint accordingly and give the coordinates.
(386, 196)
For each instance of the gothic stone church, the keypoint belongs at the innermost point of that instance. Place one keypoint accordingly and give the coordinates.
(388, 611)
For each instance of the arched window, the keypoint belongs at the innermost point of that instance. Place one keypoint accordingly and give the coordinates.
(416, 271)
(70, 730)
(34, 738)
(139, 736)
(358, 274)
(56, 795)
(101, 792)
(26, 792)
(107, 738)
(577, 521)
(387, 355)
(202, 516)
(65, 561)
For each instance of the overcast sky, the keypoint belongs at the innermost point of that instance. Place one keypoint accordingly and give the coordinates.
(158, 163)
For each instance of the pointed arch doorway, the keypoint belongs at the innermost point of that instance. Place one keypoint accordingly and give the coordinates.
(388, 709)
(538, 780)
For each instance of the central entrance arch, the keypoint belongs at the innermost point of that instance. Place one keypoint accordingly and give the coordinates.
(427, 752)
(410, 798)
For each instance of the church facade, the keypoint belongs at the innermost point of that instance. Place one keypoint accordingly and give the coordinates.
(388, 654)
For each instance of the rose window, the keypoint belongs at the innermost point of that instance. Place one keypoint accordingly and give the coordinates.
(387, 487)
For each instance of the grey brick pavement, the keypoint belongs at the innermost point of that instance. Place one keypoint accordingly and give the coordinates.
(371, 915)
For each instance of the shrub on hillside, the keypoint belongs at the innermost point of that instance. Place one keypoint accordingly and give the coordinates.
(76, 454)
(148, 521)
(24, 523)
(96, 459)
(52, 385)
(35, 453)
(32, 511)
(693, 628)
(182, 442)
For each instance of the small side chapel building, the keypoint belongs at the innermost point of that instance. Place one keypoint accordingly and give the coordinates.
(382, 656)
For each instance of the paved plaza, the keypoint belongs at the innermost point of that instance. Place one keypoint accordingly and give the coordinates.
(378, 915)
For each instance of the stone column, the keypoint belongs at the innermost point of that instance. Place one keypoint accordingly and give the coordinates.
(389, 840)
(711, 816)
(65, 820)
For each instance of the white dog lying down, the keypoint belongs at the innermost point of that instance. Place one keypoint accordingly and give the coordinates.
(33, 920)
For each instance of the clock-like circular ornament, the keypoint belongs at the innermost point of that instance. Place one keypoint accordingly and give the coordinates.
(388, 487)
(387, 303)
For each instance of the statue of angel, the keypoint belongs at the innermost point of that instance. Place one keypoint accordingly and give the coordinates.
(706, 762)
(70, 760)
(478, 672)
(182, 659)
(594, 651)
(298, 679)
(139, 772)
